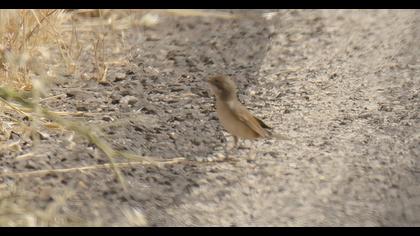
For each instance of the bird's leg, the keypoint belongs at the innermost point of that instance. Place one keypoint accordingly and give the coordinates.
(252, 152)
(225, 146)
(235, 139)
(226, 151)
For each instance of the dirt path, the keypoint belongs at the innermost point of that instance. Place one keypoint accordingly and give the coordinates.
(343, 85)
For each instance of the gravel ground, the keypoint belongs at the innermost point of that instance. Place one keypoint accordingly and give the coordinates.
(342, 84)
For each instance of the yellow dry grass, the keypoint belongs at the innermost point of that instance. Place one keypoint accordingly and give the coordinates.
(26, 38)
(36, 46)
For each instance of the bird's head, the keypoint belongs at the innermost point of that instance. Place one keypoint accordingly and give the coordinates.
(223, 87)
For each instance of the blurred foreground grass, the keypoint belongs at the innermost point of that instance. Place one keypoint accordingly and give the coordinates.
(36, 48)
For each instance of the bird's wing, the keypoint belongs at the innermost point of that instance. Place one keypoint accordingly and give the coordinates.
(251, 121)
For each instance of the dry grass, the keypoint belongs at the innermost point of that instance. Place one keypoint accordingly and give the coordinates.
(17, 210)
(36, 47)
(26, 39)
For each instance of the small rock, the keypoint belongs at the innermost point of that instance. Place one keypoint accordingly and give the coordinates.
(125, 92)
(115, 98)
(199, 159)
(149, 20)
(107, 118)
(210, 159)
(119, 76)
(86, 76)
(30, 165)
(152, 37)
(74, 93)
(43, 135)
(172, 135)
(81, 107)
(151, 71)
(128, 100)
(104, 82)
(220, 156)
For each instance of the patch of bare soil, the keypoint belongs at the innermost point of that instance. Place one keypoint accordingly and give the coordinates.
(343, 85)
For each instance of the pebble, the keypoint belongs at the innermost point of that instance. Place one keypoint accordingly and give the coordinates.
(128, 100)
(125, 92)
(74, 93)
(292, 165)
(119, 76)
(81, 107)
(107, 118)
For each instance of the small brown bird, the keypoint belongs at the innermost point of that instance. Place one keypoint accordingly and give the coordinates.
(233, 116)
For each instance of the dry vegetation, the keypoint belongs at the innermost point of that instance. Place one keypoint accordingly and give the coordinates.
(37, 47)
